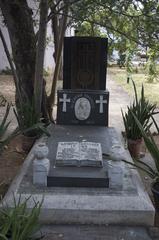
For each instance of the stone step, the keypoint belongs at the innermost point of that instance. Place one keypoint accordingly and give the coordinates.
(80, 232)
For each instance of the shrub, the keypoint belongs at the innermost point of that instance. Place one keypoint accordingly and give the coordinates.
(143, 110)
(18, 223)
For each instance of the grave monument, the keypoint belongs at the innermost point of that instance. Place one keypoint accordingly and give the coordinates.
(73, 168)
(83, 101)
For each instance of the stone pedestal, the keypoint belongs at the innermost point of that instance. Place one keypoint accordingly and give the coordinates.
(41, 165)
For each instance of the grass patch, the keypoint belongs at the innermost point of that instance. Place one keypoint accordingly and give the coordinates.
(151, 89)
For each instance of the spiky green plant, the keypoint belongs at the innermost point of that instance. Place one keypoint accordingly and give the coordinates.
(18, 223)
(152, 148)
(3, 129)
(143, 110)
(28, 121)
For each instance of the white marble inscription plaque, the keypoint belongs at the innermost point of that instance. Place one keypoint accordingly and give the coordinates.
(67, 152)
(82, 108)
(79, 154)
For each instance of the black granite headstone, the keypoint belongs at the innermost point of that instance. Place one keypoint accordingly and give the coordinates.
(83, 101)
(83, 107)
(85, 63)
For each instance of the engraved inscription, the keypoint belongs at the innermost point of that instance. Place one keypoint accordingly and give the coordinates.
(79, 154)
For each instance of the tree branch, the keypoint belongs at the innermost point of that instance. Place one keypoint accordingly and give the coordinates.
(57, 66)
(38, 82)
(15, 77)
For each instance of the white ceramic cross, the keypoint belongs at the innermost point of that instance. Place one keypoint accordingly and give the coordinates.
(101, 101)
(64, 100)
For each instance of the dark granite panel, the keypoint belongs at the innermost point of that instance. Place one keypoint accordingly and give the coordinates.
(76, 107)
(85, 62)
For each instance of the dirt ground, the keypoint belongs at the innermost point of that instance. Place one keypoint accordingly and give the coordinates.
(11, 160)
(7, 87)
(12, 157)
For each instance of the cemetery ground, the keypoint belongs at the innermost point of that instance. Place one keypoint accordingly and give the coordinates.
(139, 77)
(12, 159)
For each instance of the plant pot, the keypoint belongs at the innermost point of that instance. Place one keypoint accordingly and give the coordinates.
(155, 191)
(134, 147)
(27, 142)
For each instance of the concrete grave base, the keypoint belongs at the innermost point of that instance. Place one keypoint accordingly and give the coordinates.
(127, 203)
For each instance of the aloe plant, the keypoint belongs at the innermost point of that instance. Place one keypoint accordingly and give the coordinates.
(3, 100)
(18, 223)
(4, 127)
(143, 110)
(152, 148)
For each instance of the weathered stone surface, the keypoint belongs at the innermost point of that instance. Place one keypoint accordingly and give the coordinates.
(93, 232)
(41, 165)
(129, 205)
(79, 154)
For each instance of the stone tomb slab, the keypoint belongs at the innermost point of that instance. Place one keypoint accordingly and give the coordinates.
(76, 107)
(72, 171)
(129, 205)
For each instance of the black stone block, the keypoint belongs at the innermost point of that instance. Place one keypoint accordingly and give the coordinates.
(78, 177)
(83, 107)
(85, 63)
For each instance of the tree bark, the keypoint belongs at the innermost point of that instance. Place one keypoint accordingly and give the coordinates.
(18, 19)
(19, 22)
(15, 77)
(57, 66)
(56, 28)
(38, 84)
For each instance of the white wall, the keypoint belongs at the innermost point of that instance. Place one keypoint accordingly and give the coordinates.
(3, 59)
(48, 61)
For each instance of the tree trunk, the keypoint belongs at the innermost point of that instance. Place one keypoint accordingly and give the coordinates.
(19, 22)
(56, 28)
(57, 66)
(18, 18)
(15, 77)
(38, 84)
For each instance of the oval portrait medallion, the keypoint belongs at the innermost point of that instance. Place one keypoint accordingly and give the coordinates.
(82, 108)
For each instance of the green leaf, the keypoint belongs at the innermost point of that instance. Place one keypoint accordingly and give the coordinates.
(150, 143)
